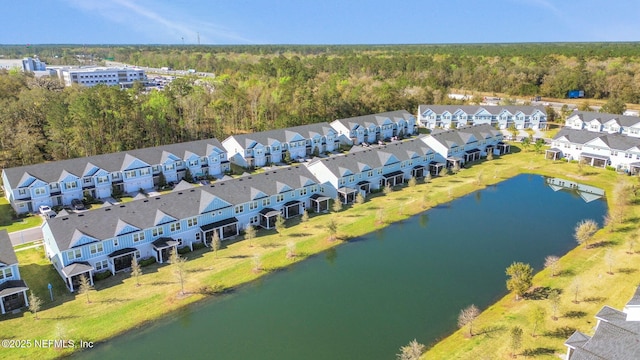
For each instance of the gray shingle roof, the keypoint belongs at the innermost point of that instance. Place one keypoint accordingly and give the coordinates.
(461, 136)
(374, 157)
(614, 141)
(7, 254)
(284, 135)
(623, 120)
(376, 119)
(473, 109)
(53, 171)
(104, 223)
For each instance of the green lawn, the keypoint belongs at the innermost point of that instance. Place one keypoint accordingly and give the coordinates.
(118, 304)
(7, 222)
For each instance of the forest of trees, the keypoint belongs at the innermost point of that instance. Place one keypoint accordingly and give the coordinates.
(264, 87)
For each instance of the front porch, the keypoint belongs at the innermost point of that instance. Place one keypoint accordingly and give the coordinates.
(503, 148)
(163, 247)
(393, 179)
(293, 208)
(472, 155)
(553, 154)
(13, 295)
(594, 160)
(364, 186)
(120, 260)
(418, 171)
(268, 217)
(435, 168)
(347, 195)
(634, 168)
(225, 228)
(73, 272)
(319, 203)
(453, 162)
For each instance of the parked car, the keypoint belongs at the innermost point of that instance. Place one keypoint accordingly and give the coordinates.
(47, 212)
(77, 204)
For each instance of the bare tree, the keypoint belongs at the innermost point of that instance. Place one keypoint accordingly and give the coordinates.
(332, 228)
(291, 250)
(380, 219)
(467, 316)
(537, 317)
(337, 205)
(575, 289)
(136, 270)
(411, 351)
(554, 299)
(515, 336)
(551, 263)
(359, 199)
(412, 182)
(84, 287)
(179, 265)
(584, 231)
(280, 225)
(305, 217)
(257, 263)
(216, 244)
(632, 241)
(250, 234)
(387, 189)
(610, 259)
(34, 304)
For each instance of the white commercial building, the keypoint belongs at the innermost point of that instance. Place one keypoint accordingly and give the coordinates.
(91, 76)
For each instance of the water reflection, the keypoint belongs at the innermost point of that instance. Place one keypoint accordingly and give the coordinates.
(588, 193)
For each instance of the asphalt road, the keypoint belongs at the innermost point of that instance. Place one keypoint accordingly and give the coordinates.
(25, 236)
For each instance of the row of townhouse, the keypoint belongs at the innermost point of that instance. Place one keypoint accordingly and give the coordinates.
(602, 122)
(596, 149)
(500, 117)
(269, 147)
(13, 290)
(58, 183)
(107, 239)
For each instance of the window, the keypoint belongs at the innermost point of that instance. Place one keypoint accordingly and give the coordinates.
(87, 180)
(145, 171)
(352, 178)
(22, 191)
(192, 222)
(102, 179)
(168, 167)
(137, 237)
(254, 220)
(157, 231)
(74, 254)
(253, 205)
(102, 265)
(198, 237)
(193, 163)
(266, 202)
(303, 191)
(8, 273)
(239, 209)
(370, 173)
(130, 174)
(40, 191)
(280, 197)
(96, 248)
(175, 227)
(379, 171)
(116, 242)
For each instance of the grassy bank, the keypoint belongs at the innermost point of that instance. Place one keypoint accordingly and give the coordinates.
(118, 304)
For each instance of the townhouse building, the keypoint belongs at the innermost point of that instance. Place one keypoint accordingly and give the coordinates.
(370, 168)
(596, 149)
(466, 144)
(269, 147)
(375, 127)
(108, 238)
(13, 290)
(500, 117)
(604, 123)
(58, 183)
(616, 335)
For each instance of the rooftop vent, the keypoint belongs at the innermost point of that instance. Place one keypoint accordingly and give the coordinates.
(80, 215)
(107, 209)
(146, 200)
(192, 190)
(65, 218)
(180, 193)
(122, 206)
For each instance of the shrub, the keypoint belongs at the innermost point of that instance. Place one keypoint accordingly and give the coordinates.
(611, 168)
(184, 250)
(198, 246)
(147, 261)
(101, 275)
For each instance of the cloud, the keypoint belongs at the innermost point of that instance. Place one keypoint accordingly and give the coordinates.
(160, 23)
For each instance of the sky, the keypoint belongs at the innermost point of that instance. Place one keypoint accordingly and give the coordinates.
(223, 22)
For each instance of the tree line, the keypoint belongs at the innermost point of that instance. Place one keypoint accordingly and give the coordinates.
(258, 88)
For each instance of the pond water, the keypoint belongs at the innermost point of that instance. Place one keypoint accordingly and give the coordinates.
(365, 299)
